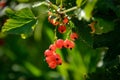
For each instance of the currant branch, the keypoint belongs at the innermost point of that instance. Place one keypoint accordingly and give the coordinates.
(68, 10)
(56, 8)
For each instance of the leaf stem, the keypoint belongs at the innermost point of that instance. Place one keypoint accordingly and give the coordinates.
(55, 34)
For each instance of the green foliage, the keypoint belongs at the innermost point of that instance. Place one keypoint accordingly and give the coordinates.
(22, 22)
(24, 58)
(78, 2)
(104, 26)
(89, 8)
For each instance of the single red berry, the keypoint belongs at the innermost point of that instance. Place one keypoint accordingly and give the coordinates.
(59, 62)
(62, 29)
(65, 20)
(50, 58)
(72, 45)
(73, 36)
(52, 65)
(58, 59)
(52, 47)
(59, 43)
(53, 60)
(69, 44)
(48, 53)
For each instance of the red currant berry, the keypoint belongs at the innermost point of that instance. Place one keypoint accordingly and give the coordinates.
(59, 43)
(62, 29)
(52, 65)
(72, 45)
(69, 44)
(52, 47)
(50, 58)
(73, 36)
(65, 20)
(58, 59)
(48, 53)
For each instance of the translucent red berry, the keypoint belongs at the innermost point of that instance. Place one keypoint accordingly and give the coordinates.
(69, 44)
(72, 45)
(58, 59)
(65, 20)
(53, 60)
(52, 47)
(73, 36)
(50, 58)
(62, 29)
(52, 65)
(48, 53)
(59, 43)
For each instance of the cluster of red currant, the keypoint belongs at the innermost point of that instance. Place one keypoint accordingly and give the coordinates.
(51, 57)
(58, 20)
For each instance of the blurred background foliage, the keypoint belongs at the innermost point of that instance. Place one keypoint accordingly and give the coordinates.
(95, 56)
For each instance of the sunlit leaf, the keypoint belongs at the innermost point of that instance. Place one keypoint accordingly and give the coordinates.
(103, 26)
(20, 23)
(89, 8)
(78, 2)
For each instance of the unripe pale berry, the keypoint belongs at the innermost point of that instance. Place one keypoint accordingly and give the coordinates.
(52, 20)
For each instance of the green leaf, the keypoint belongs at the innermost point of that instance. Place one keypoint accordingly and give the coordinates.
(22, 22)
(103, 26)
(78, 2)
(89, 8)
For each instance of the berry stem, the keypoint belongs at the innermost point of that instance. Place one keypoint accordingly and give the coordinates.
(55, 31)
(69, 32)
